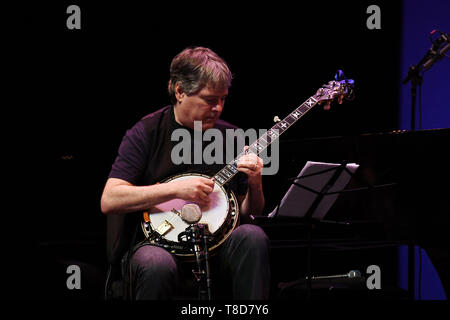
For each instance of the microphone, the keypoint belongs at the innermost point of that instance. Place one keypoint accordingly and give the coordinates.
(436, 57)
(350, 274)
(191, 213)
(433, 55)
(354, 274)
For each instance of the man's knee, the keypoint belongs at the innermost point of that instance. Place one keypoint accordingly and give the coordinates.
(153, 273)
(155, 262)
(251, 235)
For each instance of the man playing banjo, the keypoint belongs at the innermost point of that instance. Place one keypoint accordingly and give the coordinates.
(198, 87)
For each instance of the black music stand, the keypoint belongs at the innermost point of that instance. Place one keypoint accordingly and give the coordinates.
(321, 185)
(310, 202)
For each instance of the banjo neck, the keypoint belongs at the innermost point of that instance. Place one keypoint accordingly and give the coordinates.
(230, 169)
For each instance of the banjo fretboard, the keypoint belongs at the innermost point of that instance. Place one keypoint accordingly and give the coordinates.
(230, 169)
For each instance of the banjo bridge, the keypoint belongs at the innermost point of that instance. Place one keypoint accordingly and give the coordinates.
(164, 227)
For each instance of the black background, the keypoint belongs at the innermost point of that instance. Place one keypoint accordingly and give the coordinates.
(78, 91)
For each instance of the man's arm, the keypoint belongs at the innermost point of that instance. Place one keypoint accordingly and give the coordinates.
(120, 196)
(253, 202)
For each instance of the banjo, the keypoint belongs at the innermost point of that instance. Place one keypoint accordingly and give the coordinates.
(165, 224)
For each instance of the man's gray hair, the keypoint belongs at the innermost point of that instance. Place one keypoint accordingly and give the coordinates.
(195, 68)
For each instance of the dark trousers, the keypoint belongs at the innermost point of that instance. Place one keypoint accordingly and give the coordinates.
(242, 263)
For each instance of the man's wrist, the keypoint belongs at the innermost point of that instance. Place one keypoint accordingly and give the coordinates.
(255, 184)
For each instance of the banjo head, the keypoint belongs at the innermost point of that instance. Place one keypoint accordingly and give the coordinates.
(164, 220)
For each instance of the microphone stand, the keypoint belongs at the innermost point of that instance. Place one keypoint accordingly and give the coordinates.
(208, 274)
(415, 73)
(416, 80)
(433, 55)
(196, 233)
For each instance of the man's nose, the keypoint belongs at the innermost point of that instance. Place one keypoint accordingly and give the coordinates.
(217, 107)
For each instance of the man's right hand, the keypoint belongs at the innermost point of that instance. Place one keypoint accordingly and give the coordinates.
(195, 190)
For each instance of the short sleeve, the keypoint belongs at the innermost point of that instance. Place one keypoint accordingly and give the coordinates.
(131, 161)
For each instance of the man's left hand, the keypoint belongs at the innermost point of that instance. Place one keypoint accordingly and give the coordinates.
(251, 165)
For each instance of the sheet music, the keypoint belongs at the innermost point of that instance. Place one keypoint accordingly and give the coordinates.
(297, 200)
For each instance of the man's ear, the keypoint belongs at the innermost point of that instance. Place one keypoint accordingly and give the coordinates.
(179, 93)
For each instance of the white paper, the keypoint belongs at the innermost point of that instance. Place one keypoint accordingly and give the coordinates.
(297, 200)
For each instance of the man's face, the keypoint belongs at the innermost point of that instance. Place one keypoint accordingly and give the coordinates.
(205, 106)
